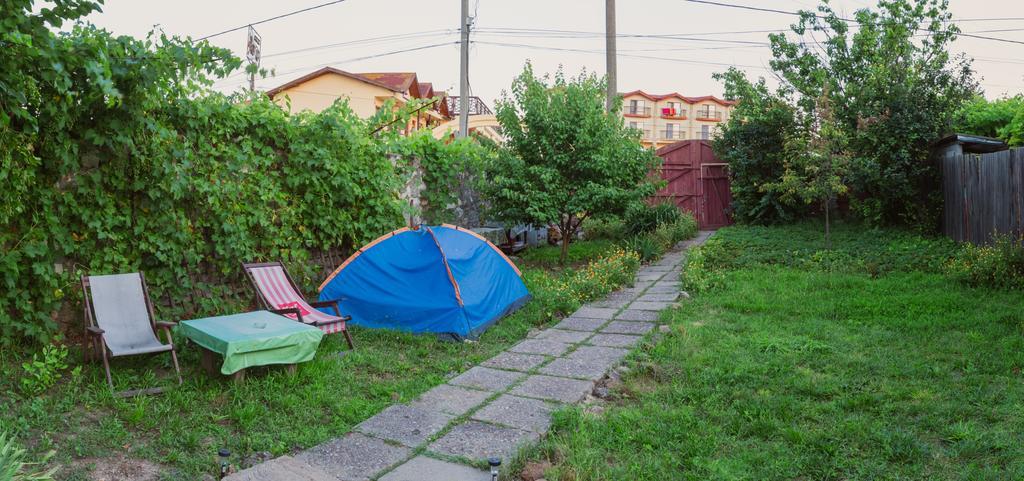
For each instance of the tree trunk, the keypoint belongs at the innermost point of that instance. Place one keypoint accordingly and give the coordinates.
(565, 227)
(828, 230)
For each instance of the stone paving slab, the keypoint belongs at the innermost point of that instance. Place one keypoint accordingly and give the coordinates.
(580, 324)
(451, 399)
(598, 353)
(559, 335)
(660, 267)
(614, 340)
(595, 312)
(488, 379)
(637, 315)
(422, 468)
(628, 327)
(663, 290)
(354, 457)
(591, 370)
(553, 388)
(641, 285)
(515, 361)
(649, 306)
(626, 293)
(405, 424)
(283, 468)
(668, 297)
(540, 346)
(668, 282)
(518, 412)
(478, 441)
(654, 276)
(616, 304)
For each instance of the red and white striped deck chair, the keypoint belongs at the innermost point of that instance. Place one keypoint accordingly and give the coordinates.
(279, 294)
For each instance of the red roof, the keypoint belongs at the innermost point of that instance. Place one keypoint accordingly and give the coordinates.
(324, 71)
(689, 100)
(397, 81)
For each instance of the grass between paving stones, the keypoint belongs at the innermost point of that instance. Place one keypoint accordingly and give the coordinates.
(794, 372)
(179, 432)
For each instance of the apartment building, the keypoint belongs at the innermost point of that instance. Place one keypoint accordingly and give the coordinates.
(669, 118)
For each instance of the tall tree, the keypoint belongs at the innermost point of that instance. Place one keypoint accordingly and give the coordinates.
(892, 88)
(565, 158)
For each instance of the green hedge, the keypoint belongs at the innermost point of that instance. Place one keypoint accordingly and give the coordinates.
(115, 157)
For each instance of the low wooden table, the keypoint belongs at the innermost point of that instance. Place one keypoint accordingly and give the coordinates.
(250, 339)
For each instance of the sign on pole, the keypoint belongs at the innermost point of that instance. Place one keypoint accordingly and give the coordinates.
(252, 54)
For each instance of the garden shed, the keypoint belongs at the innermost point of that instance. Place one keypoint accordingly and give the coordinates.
(697, 182)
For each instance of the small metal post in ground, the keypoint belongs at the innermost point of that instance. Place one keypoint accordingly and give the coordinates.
(494, 463)
(225, 466)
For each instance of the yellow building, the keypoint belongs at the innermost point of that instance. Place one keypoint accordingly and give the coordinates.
(366, 94)
(669, 118)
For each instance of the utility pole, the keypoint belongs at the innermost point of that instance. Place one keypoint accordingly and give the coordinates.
(609, 34)
(464, 72)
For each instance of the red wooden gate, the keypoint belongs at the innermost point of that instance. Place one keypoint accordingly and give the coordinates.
(697, 182)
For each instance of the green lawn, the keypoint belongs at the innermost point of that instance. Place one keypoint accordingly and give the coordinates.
(580, 252)
(795, 371)
(182, 430)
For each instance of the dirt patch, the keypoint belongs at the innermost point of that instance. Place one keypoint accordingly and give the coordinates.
(119, 468)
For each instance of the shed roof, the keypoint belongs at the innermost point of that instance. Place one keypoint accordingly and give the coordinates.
(971, 144)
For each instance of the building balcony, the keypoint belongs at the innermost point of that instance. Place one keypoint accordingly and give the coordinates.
(671, 135)
(672, 114)
(709, 116)
(630, 111)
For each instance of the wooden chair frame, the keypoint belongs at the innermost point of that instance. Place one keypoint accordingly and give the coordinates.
(333, 303)
(96, 345)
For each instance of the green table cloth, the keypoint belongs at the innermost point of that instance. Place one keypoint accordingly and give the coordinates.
(254, 339)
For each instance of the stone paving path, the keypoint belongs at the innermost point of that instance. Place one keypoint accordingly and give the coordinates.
(492, 409)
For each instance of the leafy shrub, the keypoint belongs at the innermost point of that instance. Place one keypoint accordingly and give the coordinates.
(610, 228)
(603, 275)
(45, 369)
(565, 293)
(640, 218)
(1000, 265)
(14, 467)
(646, 247)
(684, 228)
(449, 168)
(701, 272)
(651, 245)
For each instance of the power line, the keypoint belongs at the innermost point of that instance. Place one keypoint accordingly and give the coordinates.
(787, 12)
(648, 57)
(276, 17)
(363, 42)
(356, 59)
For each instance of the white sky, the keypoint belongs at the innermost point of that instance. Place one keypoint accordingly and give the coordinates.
(682, 65)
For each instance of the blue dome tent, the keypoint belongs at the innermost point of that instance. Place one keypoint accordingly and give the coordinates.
(441, 279)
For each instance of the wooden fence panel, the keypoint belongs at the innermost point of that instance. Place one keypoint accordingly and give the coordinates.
(983, 194)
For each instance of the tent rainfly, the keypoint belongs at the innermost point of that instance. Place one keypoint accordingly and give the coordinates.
(441, 279)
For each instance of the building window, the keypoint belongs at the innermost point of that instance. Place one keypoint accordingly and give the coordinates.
(633, 125)
(670, 131)
(636, 107)
(708, 112)
(705, 132)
